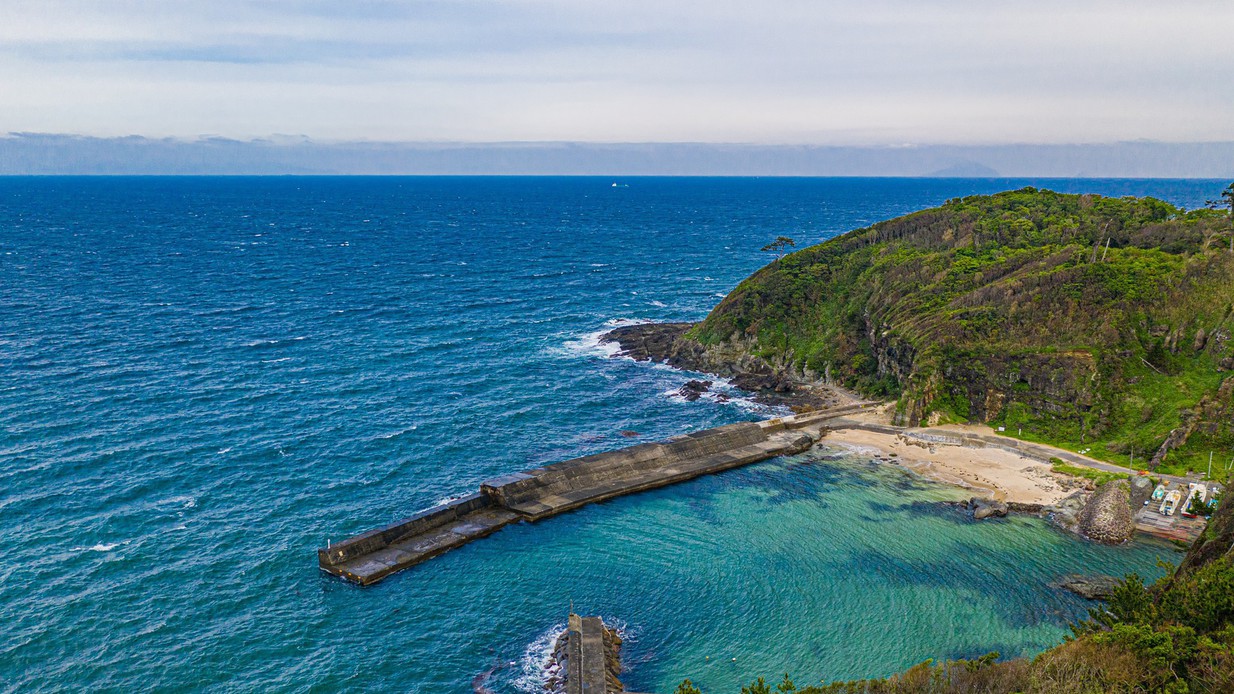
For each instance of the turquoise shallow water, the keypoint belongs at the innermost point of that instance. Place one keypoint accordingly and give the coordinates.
(205, 379)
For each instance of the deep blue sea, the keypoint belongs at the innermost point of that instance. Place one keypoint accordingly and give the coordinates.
(202, 380)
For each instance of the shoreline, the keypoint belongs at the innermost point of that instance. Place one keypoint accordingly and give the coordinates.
(989, 472)
(1008, 473)
(995, 473)
(992, 472)
(962, 456)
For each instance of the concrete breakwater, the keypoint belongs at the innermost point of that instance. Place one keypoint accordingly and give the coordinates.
(547, 491)
(587, 659)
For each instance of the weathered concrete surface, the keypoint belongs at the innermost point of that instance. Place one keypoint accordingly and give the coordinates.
(547, 491)
(370, 557)
(588, 659)
(561, 487)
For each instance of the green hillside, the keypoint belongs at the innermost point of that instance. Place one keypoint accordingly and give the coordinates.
(1081, 320)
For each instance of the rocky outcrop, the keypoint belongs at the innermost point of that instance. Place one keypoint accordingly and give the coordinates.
(1107, 515)
(693, 390)
(1091, 587)
(987, 508)
(1141, 491)
(770, 383)
(1066, 513)
(1178, 436)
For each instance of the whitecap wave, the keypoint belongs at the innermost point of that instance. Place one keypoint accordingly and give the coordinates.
(448, 500)
(400, 432)
(101, 546)
(721, 392)
(536, 661)
(183, 501)
(589, 344)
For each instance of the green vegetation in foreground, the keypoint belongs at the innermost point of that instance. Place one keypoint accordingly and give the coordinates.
(1099, 477)
(1174, 636)
(1079, 320)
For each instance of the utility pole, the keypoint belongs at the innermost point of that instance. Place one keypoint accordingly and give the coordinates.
(1210, 465)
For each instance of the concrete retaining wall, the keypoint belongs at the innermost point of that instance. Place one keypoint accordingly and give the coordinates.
(418, 524)
(566, 476)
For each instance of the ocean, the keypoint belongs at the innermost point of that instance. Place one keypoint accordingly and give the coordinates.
(205, 379)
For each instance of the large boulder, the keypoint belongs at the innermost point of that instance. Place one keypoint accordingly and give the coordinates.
(1107, 516)
(1141, 491)
(987, 508)
(1066, 513)
(1095, 587)
(693, 390)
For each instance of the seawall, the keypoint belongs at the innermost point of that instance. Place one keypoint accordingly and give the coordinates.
(544, 492)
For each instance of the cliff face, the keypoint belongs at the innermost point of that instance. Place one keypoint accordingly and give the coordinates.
(1077, 317)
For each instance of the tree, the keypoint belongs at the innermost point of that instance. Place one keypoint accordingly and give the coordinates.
(687, 687)
(758, 686)
(783, 242)
(1226, 200)
(786, 686)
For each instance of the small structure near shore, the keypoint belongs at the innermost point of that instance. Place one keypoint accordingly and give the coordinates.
(586, 659)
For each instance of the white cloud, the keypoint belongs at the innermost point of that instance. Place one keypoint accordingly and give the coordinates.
(775, 71)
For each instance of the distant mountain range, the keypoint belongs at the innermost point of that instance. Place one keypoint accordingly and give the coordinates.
(34, 153)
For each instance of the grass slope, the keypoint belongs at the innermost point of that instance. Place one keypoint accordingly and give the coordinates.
(1081, 320)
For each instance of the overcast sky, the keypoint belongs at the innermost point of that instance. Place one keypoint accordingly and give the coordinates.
(767, 71)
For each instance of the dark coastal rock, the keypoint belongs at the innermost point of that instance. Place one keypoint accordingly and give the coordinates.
(1019, 507)
(1066, 513)
(658, 342)
(1095, 587)
(693, 390)
(987, 508)
(1107, 515)
(1141, 491)
(771, 384)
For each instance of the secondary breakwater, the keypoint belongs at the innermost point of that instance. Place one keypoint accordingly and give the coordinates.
(588, 659)
(544, 492)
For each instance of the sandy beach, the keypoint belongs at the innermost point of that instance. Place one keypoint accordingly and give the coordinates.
(992, 472)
